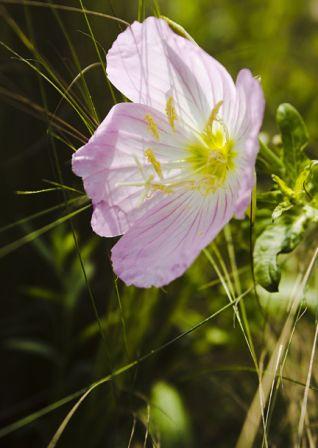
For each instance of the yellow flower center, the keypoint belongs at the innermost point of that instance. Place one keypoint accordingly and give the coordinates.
(211, 158)
(206, 163)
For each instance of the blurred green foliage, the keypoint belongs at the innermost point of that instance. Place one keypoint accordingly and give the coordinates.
(52, 342)
(295, 208)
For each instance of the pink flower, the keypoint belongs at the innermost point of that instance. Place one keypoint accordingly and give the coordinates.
(170, 169)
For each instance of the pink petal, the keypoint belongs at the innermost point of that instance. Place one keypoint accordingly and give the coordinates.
(149, 62)
(250, 106)
(109, 159)
(163, 243)
(245, 195)
(245, 129)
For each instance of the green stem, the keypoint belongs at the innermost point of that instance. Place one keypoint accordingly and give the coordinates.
(271, 157)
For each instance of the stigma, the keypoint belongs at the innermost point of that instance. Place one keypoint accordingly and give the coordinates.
(210, 159)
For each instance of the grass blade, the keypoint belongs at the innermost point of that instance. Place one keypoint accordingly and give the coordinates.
(9, 248)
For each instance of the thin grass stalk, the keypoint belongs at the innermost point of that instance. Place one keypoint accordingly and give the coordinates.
(39, 112)
(305, 398)
(244, 328)
(9, 248)
(110, 87)
(129, 366)
(122, 318)
(65, 8)
(88, 96)
(251, 423)
(52, 78)
(22, 221)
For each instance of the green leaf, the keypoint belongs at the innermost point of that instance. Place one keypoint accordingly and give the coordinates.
(282, 236)
(310, 184)
(285, 189)
(306, 185)
(33, 347)
(281, 208)
(169, 418)
(269, 198)
(269, 158)
(312, 213)
(295, 139)
(39, 292)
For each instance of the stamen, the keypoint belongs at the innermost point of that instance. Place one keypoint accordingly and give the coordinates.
(140, 167)
(154, 162)
(147, 190)
(152, 126)
(221, 122)
(212, 161)
(206, 163)
(171, 112)
(162, 187)
(213, 117)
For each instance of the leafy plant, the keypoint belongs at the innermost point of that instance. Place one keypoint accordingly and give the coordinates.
(294, 198)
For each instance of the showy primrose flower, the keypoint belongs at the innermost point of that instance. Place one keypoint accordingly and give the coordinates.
(169, 170)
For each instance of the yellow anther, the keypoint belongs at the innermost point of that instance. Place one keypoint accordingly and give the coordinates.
(150, 156)
(211, 161)
(171, 112)
(163, 188)
(152, 126)
(213, 116)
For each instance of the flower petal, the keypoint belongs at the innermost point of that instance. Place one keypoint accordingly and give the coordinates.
(250, 107)
(245, 129)
(115, 156)
(163, 243)
(149, 63)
